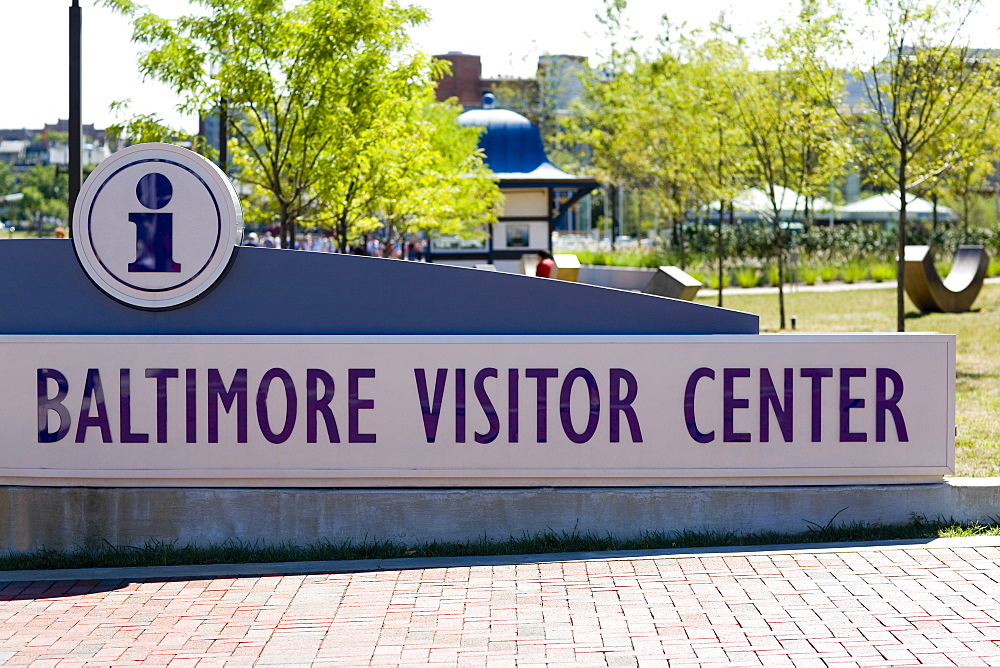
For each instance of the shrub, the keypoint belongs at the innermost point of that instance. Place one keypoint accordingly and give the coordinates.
(883, 271)
(748, 278)
(592, 257)
(791, 274)
(828, 273)
(854, 272)
(772, 274)
(809, 275)
(994, 268)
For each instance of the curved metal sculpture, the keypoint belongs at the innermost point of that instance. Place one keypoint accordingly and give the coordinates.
(954, 294)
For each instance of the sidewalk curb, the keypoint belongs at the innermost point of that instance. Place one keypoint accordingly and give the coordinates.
(796, 288)
(374, 565)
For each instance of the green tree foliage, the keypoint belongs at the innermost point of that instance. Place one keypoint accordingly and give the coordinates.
(6, 179)
(45, 191)
(705, 115)
(318, 95)
(423, 191)
(923, 85)
(967, 152)
(791, 133)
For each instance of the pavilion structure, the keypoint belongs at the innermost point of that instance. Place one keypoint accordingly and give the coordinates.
(536, 194)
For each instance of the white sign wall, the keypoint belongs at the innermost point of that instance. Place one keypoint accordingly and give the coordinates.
(482, 411)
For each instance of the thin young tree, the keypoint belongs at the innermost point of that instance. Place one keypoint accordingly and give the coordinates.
(790, 132)
(922, 81)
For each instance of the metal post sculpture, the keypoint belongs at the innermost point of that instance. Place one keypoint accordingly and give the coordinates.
(954, 294)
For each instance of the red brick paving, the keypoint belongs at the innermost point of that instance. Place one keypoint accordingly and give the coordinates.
(854, 608)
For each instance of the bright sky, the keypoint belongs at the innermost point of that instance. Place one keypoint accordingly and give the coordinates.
(509, 36)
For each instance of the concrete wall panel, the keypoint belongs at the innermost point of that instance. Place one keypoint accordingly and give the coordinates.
(69, 517)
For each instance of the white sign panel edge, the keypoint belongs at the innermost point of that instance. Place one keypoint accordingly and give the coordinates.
(409, 459)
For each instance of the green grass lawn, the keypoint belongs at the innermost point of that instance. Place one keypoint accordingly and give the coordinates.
(977, 451)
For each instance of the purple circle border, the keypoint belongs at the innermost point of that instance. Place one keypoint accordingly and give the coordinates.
(218, 218)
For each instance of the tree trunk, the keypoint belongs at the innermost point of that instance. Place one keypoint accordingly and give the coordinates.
(965, 217)
(342, 235)
(283, 224)
(389, 233)
(779, 242)
(680, 225)
(901, 247)
(718, 248)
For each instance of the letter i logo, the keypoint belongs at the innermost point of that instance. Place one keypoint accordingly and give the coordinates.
(123, 225)
(154, 232)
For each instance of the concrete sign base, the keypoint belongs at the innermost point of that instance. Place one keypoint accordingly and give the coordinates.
(63, 518)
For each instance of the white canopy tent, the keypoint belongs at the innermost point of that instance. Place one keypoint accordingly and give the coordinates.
(755, 203)
(885, 208)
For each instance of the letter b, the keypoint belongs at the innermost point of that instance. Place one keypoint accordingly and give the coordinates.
(46, 404)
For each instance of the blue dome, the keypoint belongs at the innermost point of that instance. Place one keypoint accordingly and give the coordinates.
(511, 142)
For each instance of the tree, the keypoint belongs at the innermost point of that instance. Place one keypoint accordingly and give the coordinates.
(790, 132)
(725, 156)
(448, 189)
(968, 150)
(660, 121)
(922, 84)
(316, 94)
(6, 179)
(45, 193)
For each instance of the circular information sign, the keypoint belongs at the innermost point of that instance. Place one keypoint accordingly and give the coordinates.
(156, 225)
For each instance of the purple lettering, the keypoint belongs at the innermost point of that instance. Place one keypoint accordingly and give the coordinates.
(191, 405)
(47, 403)
(320, 405)
(355, 405)
(460, 405)
(847, 403)
(730, 404)
(769, 399)
(512, 399)
(689, 417)
(817, 376)
(487, 404)
(890, 404)
(620, 404)
(125, 409)
(93, 394)
(542, 378)
(235, 393)
(161, 376)
(594, 413)
(431, 413)
(291, 401)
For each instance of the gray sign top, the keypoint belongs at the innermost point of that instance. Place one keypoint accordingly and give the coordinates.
(269, 291)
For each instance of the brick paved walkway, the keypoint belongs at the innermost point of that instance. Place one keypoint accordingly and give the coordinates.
(867, 607)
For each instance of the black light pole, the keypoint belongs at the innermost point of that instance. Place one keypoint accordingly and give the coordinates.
(75, 123)
(224, 135)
